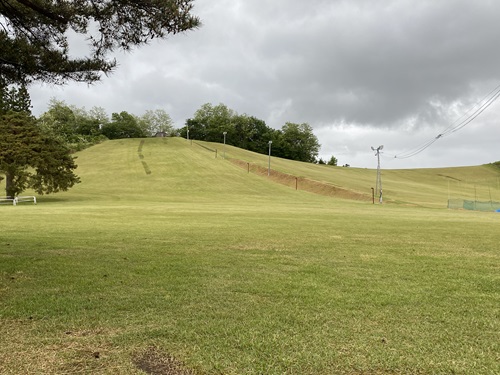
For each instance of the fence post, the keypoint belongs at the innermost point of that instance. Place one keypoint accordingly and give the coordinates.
(475, 197)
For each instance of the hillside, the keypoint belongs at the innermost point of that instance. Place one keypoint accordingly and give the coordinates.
(428, 187)
(172, 169)
(163, 169)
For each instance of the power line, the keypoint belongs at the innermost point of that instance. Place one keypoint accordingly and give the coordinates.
(468, 117)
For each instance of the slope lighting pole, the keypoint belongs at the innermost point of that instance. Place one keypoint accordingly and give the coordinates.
(378, 185)
(224, 144)
(269, 165)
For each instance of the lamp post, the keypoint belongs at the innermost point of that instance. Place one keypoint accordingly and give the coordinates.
(224, 144)
(269, 164)
(187, 132)
(378, 185)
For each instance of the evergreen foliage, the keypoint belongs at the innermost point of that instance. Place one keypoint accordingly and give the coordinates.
(14, 98)
(29, 157)
(34, 35)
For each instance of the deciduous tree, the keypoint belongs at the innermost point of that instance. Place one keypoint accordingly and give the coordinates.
(333, 161)
(210, 122)
(123, 125)
(250, 133)
(299, 142)
(60, 121)
(74, 126)
(293, 141)
(156, 121)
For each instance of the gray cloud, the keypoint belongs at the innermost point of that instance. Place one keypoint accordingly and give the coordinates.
(354, 70)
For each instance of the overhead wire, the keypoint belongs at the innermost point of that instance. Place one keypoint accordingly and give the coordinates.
(488, 100)
(458, 124)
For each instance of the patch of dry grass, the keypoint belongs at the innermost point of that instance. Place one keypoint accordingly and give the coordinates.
(33, 347)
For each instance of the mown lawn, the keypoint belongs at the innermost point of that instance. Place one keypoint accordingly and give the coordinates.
(305, 289)
(237, 275)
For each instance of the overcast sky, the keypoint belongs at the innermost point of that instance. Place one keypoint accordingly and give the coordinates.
(362, 73)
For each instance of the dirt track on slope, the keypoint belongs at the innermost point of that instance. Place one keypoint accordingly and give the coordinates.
(302, 183)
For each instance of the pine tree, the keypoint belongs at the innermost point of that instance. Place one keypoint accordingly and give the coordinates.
(34, 42)
(29, 158)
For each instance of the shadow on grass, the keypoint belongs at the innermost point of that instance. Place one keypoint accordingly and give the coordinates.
(63, 199)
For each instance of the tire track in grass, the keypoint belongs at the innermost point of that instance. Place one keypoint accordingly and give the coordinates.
(141, 156)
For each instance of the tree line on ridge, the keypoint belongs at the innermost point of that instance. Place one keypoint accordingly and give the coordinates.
(36, 152)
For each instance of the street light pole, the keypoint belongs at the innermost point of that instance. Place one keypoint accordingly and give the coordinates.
(224, 144)
(378, 185)
(269, 164)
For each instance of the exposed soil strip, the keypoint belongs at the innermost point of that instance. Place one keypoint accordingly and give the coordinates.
(302, 183)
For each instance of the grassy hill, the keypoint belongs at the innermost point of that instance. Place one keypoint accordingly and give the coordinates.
(430, 187)
(174, 169)
(163, 169)
(168, 260)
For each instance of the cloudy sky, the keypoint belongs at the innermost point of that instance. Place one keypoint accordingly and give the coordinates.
(362, 73)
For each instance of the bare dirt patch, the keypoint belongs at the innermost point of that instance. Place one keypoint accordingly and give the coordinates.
(155, 362)
(302, 183)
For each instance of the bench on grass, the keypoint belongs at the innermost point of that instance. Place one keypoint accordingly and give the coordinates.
(16, 200)
(27, 198)
(4, 200)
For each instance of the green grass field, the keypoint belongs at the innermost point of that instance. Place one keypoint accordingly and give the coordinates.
(165, 257)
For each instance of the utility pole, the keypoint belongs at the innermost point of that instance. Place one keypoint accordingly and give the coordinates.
(224, 144)
(269, 164)
(378, 185)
